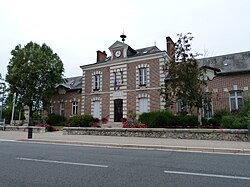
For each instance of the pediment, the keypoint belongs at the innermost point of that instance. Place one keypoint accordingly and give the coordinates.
(118, 44)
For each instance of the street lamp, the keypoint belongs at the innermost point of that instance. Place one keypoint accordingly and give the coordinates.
(2, 101)
(2, 98)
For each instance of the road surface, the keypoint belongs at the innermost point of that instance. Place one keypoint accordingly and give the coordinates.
(39, 165)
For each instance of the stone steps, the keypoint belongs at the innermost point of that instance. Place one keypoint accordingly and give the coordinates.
(112, 125)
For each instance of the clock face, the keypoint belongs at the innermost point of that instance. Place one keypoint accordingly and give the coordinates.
(118, 53)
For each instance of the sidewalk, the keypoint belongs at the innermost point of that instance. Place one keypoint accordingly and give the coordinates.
(130, 142)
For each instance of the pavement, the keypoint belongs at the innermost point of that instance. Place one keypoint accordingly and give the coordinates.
(209, 146)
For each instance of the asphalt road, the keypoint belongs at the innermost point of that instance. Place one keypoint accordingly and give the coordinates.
(35, 165)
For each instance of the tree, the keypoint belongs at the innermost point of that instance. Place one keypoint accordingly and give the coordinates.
(185, 80)
(33, 73)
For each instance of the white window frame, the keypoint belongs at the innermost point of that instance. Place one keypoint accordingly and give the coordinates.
(143, 105)
(96, 85)
(51, 108)
(74, 108)
(180, 107)
(62, 108)
(233, 96)
(97, 109)
(143, 76)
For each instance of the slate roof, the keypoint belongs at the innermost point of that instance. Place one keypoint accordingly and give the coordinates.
(72, 83)
(230, 63)
(146, 50)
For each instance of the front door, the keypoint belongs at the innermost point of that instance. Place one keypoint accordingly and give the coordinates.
(118, 110)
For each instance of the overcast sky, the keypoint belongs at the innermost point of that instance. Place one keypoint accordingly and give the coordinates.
(76, 29)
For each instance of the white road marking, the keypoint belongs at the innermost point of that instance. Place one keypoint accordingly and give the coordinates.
(62, 162)
(208, 175)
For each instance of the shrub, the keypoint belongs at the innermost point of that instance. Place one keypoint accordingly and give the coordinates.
(217, 117)
(81, 121)
(55, 119)
(157, 119)
(227, 121)
(186, 120)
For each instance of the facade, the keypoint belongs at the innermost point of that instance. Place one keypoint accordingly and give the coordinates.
(67, 99)
(231, 85)
(128, 81)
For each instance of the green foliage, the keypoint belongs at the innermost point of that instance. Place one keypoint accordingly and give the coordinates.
(230, 122)
(186, 120)
(33, 73)
(132, 115)
(185, 80)
(217, 117)
(163, 119)
(81, 121)
(156, 119)
(55, 119)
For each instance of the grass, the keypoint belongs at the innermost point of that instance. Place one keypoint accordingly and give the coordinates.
(58, 127)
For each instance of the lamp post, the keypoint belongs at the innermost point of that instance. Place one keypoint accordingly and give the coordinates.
(2, 99)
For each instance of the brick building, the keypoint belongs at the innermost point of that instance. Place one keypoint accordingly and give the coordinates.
(231, 85)
(67, 99)
(130, 81)
(127, 81)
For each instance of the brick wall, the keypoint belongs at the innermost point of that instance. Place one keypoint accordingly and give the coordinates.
(67, 98)
(221, 85)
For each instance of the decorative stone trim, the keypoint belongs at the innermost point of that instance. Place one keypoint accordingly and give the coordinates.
(93, 81)
(138, 97)
(92, 105)
(138, 75)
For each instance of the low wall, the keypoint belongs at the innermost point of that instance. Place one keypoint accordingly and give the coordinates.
(198, 134)
(24, 128)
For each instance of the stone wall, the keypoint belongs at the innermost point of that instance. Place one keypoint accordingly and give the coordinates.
(198, 134)
(24, 128)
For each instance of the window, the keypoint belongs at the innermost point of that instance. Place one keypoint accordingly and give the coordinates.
(51, 109)
(121, 77)
(74, 108)
(207, 109)
(236, 100)
(62, 108)
(143, 105)
(96, 109)
(142, 76)
(181, 106)
(96, 82)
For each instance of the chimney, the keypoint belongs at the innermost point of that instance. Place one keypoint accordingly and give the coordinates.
(101, 56)
(170, 47)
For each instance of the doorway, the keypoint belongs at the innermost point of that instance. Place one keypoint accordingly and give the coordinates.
(118, 112)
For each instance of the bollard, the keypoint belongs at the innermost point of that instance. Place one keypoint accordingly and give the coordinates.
(30, 129)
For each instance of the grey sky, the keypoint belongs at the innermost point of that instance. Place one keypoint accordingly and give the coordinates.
(76, 29)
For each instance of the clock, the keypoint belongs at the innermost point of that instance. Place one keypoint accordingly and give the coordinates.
(118, 53)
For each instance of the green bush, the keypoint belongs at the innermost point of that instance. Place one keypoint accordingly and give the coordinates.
(81, 121)
(227, 121)
(186, 120)
(157, 119)
(217, 117)
(55, 119)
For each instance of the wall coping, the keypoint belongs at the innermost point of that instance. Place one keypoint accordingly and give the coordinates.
(231, 131)
(25, 128)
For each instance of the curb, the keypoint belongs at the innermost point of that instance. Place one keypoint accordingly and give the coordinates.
(141, 146)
